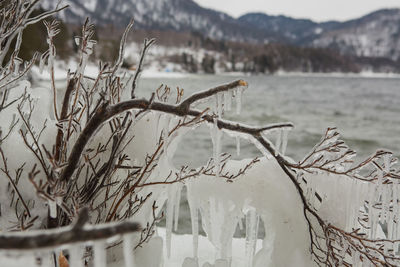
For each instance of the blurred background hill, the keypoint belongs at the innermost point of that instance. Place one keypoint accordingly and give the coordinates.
(191, 38)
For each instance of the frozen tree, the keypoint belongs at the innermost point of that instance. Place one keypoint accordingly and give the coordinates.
(92, 160)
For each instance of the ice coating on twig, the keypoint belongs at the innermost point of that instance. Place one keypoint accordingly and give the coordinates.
(52, 208)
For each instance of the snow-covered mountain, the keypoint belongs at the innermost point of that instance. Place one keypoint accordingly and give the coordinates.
(179, 15)
(374, 35)
(294, 31)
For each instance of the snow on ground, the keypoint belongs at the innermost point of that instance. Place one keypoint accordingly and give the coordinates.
(60, 70)
(363, 74)
(92, 70)
(155, 72)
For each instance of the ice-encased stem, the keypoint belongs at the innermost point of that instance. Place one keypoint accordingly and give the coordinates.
(169, 218)
(284, 141)
(278, 142)
(239, 93)
(177, 206)
(52, 209)
(172, 213)
(228, 100)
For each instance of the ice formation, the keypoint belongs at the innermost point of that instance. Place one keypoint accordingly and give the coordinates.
(128, 250)
(100, 259)
(256, 194)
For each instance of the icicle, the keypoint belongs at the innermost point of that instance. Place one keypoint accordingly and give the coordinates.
(17, 64)
(194, 217)
(239, 94)
(228, 100)
(241, 224)
(216, 136)
(177, 206)
(386, 199)
(371, 209)
(169, 218)
(359, 203)
(52, 208)
(252, 221)
(76, 255)
(99, 249)
(238, 146)
(128, 251)
(208, 218)
(284, 141)
(41, 65)
(219, 105)
(278, 142)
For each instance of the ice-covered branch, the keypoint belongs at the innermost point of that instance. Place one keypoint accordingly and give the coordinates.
(185, 105)
(106, 112)
(146, 45)
(78, 233)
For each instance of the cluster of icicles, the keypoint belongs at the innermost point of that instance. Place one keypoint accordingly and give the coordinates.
(370, 206)
(220, 219)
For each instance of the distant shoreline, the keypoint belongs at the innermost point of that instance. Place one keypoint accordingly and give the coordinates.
(92, 71)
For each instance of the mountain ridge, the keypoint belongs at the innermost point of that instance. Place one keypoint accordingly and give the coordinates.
(376, 34)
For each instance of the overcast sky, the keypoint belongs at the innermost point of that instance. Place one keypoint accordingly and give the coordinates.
(319, 10)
